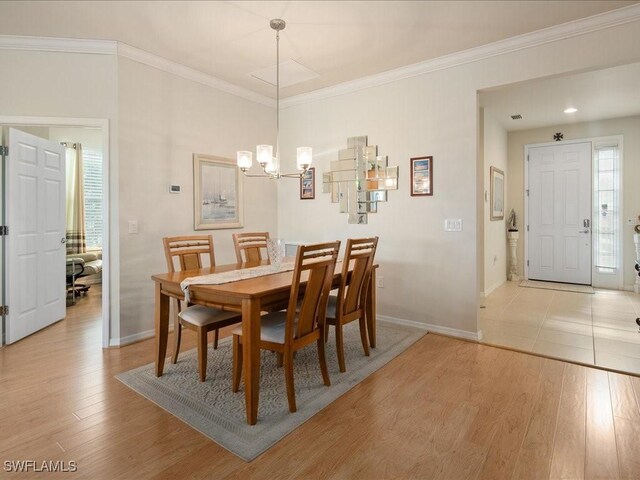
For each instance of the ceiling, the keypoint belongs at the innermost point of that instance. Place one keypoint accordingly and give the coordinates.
(340, 41)
(598, 95)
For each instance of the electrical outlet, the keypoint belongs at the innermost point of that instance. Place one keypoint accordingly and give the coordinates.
(380, 282)
(133, 226)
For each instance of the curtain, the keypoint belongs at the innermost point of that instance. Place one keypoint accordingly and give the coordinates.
(76, 237)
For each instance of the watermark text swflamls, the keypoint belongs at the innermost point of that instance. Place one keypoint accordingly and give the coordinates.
(51, 466)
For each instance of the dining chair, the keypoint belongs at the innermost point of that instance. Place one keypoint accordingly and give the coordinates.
(301, 324)
(189, 250)
(251, 244)
(350, 303)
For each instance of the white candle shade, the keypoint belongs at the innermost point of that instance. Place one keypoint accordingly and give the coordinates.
(264, 154)
(304, 157)
(245, 160)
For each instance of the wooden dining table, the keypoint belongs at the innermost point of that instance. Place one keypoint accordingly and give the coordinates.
(249, 296)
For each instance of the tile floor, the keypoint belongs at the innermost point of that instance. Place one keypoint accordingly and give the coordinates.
(594, 329)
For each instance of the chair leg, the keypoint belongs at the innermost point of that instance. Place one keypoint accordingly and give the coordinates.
(288, 376)
(237, 363)
(340, 347)
(363, 335)
(177, 334)
(280, 356)
(202, 353)
(216, 334)
(326, 333)
(323, 363)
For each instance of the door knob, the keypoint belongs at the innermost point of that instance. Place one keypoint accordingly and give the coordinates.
(63, 240)
(583, 231)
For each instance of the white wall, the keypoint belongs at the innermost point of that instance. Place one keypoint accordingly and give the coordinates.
(164, 120)
(495, 244)
(629, 128)
(430, 275)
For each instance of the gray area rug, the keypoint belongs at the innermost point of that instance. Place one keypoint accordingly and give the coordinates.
(214, 410)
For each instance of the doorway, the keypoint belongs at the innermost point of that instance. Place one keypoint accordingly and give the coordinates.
(89, 297)
(558, 212)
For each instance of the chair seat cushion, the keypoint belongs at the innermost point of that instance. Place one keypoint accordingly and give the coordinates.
(272, 327)
(199, 315)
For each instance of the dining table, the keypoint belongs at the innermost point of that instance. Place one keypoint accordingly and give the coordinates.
(251, 297)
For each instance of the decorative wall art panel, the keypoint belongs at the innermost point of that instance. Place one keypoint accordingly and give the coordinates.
(359, 179)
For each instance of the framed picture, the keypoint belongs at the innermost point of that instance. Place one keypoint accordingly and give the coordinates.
(308, 184)
(217, 188)
(421, 176)
(497, 194)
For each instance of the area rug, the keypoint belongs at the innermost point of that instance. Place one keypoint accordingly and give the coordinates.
(563, 287)
(214, 410)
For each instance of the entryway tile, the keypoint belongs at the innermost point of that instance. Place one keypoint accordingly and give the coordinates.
(564, 352)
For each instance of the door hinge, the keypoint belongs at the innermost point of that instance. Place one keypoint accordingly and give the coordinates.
(4, 310)
(4, 150)
(527, 190)
(527, 263)
(527, 228)
(4, 231)
(527, 158)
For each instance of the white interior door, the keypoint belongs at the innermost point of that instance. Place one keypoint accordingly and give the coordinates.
(559, 216)
(35, 249)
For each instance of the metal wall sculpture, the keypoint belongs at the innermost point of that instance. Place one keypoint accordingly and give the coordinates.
(359, 179)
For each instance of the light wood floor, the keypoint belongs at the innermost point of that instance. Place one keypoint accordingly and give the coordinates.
(444, 409)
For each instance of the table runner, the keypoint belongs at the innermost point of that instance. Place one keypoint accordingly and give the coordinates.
(233, 276)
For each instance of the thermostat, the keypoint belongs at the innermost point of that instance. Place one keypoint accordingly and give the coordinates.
(174, 188)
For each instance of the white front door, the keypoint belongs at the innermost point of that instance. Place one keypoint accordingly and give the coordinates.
(35, 249)
(559, 216)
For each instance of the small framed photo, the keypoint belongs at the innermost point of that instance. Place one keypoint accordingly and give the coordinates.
(497, 194)
(421, 176)
(308, 184)
(217, 193)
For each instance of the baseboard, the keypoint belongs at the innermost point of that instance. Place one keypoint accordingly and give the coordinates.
(490, 290)
(136, 337)
(451, 332)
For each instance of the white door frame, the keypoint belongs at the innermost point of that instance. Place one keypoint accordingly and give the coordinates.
(594, 141)
(103, 124)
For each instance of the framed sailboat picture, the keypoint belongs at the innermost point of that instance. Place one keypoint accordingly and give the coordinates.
(217, 193)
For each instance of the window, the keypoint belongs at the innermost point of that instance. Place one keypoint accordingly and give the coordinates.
(606, 209)
(93, 197)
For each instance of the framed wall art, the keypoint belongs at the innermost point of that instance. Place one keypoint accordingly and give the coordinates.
(421, 176)
(497, 194)
(217, 188)
(308, 184)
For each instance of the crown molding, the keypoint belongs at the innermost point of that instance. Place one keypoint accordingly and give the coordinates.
(155, 61)
(52, 44)
(555, 33)
(112, 47)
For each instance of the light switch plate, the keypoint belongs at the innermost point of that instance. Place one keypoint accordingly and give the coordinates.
(453, 225)
(133, 226)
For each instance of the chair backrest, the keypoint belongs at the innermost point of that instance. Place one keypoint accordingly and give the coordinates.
(317, 263)
(352, 291)
(251, 244)
(189, 250)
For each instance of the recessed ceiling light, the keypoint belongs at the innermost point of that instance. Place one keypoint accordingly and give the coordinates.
(571, 110)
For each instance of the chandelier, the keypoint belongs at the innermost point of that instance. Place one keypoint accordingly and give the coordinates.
(269, 162)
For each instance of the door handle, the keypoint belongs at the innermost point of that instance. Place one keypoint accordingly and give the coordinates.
(583, 231)
(63, 240)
